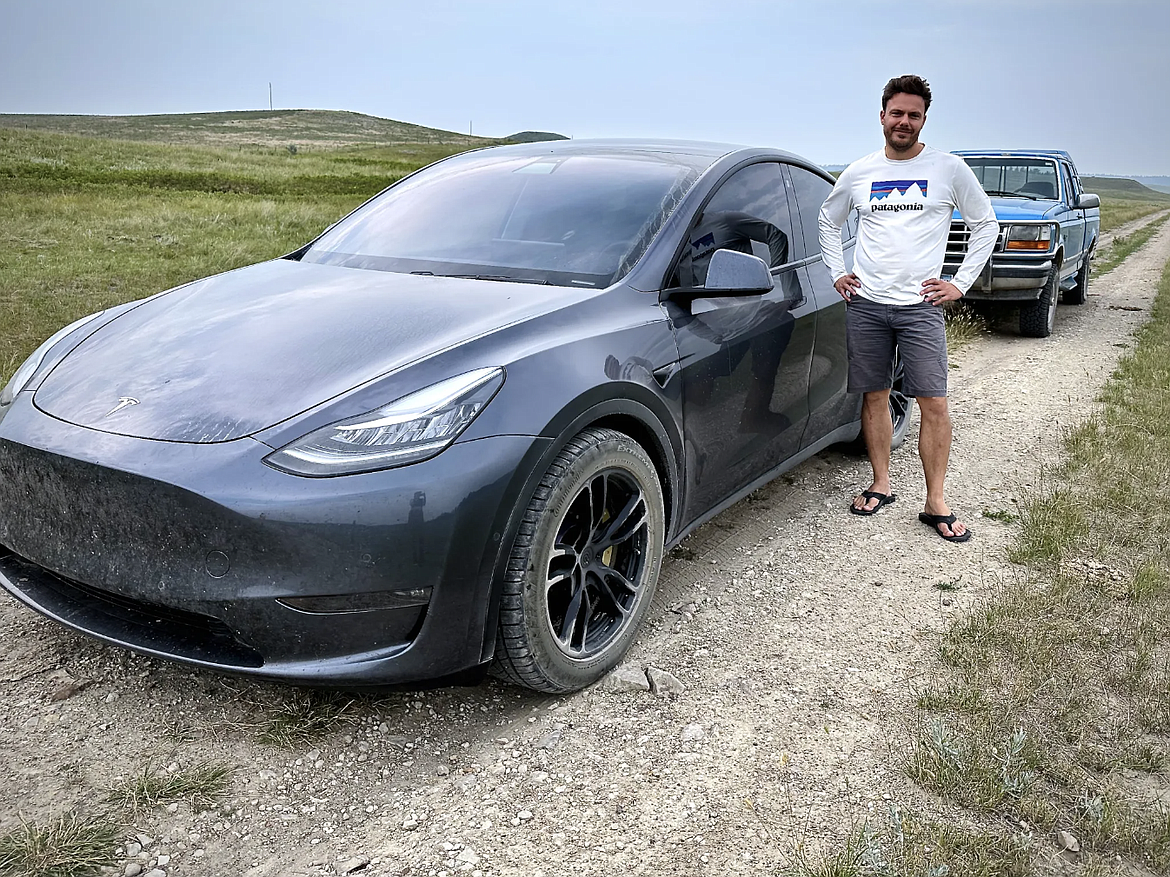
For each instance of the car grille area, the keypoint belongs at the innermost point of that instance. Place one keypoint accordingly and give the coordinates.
(167, 571)
(146, 626)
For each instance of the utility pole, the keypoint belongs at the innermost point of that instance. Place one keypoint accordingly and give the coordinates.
(270, 95)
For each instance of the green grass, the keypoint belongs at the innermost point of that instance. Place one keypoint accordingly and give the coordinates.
(90, 222)
(201, 786)
(1116, 213)
(1124, 201)
(69, 846)
(1120, 248)
(907, 845)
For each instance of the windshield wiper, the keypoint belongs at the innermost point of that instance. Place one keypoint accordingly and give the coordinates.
(1004, 194)
(500, 277)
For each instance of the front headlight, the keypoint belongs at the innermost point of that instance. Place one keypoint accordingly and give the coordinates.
(1028, 237)
(410, 430)
(29, 368)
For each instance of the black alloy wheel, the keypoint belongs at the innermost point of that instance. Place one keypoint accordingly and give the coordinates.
(584, 565)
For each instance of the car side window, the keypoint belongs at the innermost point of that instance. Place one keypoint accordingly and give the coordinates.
(748, 213)
(811, 191)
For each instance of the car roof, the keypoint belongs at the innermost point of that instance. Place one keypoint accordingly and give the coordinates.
(711, 151)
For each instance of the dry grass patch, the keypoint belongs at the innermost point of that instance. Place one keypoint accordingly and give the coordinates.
(1053, 710)
(71, 845)
(202, 786)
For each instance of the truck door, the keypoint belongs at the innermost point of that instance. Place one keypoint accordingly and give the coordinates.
(1072, 224)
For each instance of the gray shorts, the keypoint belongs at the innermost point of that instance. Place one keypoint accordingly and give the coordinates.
(918, 331)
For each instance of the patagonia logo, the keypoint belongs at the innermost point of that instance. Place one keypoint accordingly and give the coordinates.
(882, 189)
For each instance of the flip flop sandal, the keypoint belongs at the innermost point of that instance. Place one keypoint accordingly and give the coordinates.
(882, 498)
(933, 521)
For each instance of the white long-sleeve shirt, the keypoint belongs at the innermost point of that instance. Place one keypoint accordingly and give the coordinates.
(905, 210)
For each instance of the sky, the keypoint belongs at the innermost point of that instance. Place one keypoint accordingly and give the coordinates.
(1089, 76)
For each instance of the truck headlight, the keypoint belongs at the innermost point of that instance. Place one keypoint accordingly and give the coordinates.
(1029, 237)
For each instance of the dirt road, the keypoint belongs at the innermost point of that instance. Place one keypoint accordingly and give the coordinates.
(797, 632)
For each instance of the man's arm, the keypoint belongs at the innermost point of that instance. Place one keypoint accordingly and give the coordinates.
(979, 217)
(832, 216)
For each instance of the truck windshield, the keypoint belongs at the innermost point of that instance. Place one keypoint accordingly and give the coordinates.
(1033, 178)
(575, 220)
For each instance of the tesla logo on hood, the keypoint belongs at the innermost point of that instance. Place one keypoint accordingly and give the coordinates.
(123, 402)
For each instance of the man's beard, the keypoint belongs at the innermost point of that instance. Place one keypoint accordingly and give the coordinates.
(910, 144)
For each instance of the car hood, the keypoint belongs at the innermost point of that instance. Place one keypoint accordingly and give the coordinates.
(230, 355)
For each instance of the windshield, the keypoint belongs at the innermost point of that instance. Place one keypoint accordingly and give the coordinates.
(1033, 178)
(576, 220)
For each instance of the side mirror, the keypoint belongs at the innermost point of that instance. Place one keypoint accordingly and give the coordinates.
(1087, 200)
(734, 273)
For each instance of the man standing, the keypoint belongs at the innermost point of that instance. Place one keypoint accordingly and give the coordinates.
(906, 194)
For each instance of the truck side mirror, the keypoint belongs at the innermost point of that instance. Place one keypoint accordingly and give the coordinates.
(1087, 200)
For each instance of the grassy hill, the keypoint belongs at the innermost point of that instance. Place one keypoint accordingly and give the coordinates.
(102, 210)
(1123, 189)
(304, 129)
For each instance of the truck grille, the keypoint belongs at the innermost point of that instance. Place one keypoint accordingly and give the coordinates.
(959, 237)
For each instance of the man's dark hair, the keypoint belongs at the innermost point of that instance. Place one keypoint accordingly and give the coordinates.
(908, 84)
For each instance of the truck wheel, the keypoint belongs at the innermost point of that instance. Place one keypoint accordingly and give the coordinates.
(1038, 318)
(1078, 294)
(584, 565)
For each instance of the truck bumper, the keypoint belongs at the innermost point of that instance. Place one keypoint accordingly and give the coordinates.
(1001, 280)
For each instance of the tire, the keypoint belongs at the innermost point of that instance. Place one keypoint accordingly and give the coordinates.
(1038, 318)
(901, 405)
(584, 565)
(1080, 292)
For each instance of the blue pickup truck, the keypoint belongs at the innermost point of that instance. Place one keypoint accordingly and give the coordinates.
(1048, 229)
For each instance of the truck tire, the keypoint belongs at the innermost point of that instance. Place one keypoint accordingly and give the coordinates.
(1038, 318)
(1078, 294)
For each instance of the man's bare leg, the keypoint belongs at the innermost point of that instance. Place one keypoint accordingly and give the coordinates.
(934, 447)
(878, 430)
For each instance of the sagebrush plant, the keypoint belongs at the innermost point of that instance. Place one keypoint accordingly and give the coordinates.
(72, 845)
(201, 785)
(903, 844)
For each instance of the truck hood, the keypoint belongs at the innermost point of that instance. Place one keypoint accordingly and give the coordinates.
(230, 355)
(1008, 209)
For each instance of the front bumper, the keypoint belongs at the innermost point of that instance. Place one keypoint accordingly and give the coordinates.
(1008, 278)
(191, 552)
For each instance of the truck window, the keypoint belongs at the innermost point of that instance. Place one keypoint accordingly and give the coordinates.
(1009, 176)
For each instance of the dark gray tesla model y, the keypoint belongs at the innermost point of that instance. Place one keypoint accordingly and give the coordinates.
(457, 430)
